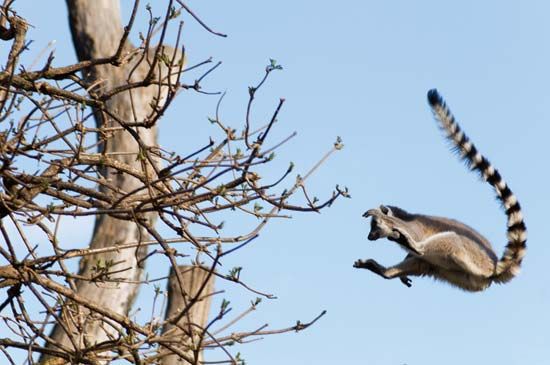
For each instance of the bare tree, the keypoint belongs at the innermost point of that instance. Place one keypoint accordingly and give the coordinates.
(56, 162)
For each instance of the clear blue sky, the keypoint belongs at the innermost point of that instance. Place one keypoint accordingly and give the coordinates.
(360, 70)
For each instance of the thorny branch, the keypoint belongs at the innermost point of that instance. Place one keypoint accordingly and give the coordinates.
(50, 167)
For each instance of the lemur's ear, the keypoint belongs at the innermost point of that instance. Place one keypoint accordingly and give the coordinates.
(387, 211)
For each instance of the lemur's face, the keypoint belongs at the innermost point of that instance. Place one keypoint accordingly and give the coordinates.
(379, 229)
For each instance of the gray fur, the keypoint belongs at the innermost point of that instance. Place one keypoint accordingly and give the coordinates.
(438, 247)
(444, 248)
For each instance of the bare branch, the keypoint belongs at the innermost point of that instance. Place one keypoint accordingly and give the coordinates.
(79, 140)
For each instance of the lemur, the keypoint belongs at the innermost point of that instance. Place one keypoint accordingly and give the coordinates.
(444, 248)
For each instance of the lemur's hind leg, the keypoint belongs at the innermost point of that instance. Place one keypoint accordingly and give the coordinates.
(409, 266)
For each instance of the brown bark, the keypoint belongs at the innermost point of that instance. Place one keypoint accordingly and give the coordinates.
(96, 30)
(186, 334)
(127, 88)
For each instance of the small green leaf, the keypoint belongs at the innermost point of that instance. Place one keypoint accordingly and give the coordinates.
(338, 144)
(235, 273)
(224, 305)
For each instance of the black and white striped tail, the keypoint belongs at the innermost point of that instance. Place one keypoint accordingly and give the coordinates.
(509, 265)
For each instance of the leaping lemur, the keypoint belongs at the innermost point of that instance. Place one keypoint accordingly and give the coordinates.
(444, 248)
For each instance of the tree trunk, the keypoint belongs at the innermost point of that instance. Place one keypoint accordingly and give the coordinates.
(195, 319)
(96, 30)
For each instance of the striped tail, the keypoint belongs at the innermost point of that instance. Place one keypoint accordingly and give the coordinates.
(509, 265)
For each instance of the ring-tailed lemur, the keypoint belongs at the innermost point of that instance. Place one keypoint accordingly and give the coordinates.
(445, 248)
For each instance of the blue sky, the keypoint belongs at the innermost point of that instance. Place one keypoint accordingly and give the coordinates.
(361, 70)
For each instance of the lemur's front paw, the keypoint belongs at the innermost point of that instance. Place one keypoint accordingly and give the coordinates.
(372, 213)
(359, 264)
(369, 264)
